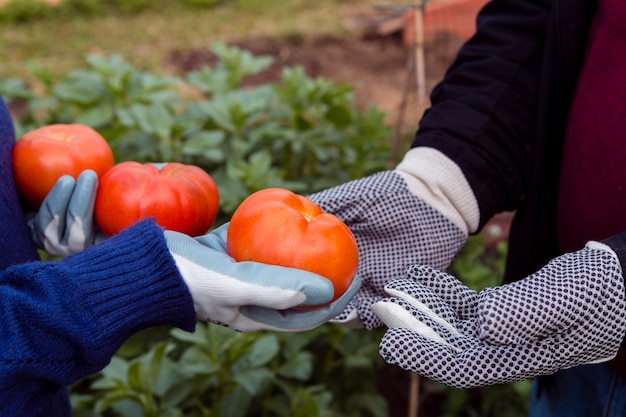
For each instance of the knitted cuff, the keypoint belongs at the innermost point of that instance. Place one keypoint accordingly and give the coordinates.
(129, 283)
(437, 180)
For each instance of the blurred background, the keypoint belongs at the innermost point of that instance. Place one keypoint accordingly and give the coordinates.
(295, 93)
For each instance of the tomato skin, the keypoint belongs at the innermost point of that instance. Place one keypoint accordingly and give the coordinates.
(43, 155)
(277, 227)
(183, 198)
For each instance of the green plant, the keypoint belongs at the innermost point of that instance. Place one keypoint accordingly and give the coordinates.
(297, 133)
(218, 372)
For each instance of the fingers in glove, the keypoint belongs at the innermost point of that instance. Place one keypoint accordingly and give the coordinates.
(80, 225)
(456, 294)
(423, 299)
(398, 313)
(291, 320)
(64, 223)
(478, 366)
(48, 224)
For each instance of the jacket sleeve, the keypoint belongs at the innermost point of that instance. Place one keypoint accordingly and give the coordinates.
(61, 321)
(483, 113)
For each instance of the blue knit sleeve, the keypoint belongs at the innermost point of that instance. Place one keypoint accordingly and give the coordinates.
(61, 321)
(16, 246)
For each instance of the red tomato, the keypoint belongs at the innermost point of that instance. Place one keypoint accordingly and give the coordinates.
(183, 198)
(43, 155)
(275, 226)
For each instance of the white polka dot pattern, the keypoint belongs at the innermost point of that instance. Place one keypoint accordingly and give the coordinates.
(393, 229)
(571, 312)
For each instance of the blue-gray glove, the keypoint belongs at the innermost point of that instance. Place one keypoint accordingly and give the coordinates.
(64, 223)
(249, 296)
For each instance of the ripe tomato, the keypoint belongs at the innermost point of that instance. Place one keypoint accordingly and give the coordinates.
(183, 198)
(275, 226)
(43, 155)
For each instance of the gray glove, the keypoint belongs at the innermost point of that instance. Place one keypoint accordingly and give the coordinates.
(571, 312)
(64, 223)
(248, 296)
(419, 213)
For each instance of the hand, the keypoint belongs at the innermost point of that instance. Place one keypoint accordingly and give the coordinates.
(571, 312)
(419, 213)
(64, 223)
(248, 296)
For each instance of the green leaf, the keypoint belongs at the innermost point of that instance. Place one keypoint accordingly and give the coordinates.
(156, 358)
(139, 377)
(238, 63)
(155, 118)
(205, 144)
(236, 403)
(294, 345)
(107, 384)
(117, 369)
(12, 88)
(253, 380)
(203, 367)
(260, 162)
(299, 366)
(207, 80)
(198, 337)
(177, 394)
(80, 87)
(114, 397)
(96, 117)
(263, 351)
(220, 114)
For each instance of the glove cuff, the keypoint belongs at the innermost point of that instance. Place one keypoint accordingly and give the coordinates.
(437, 180)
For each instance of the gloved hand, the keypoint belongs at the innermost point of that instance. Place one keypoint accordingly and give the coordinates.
(570, 312)
(419, 213)
(64, 223)
(248, 296)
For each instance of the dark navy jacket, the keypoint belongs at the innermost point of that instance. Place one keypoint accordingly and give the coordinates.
(500, 114)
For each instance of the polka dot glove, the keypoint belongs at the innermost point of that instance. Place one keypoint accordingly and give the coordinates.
(571, 312)
(419, 213)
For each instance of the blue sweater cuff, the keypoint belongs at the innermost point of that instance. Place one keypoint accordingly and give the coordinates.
(126, 284)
